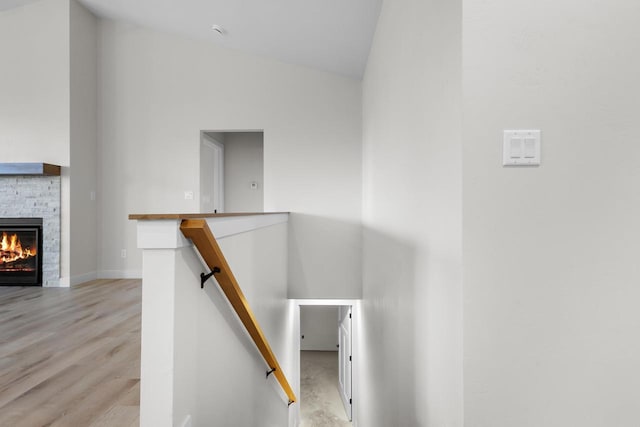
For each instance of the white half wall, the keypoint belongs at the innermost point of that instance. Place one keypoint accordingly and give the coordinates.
(411, 360)
(198, 361)
(551, 253)
(158, 91)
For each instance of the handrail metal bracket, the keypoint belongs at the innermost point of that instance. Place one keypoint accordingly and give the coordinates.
(205, 277)
(271, 372)
(290, 402)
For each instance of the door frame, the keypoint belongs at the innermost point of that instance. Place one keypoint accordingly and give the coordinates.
(355, 347)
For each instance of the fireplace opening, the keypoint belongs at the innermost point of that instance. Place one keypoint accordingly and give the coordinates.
(21, 251)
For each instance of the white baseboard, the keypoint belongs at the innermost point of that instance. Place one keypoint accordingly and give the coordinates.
(65, 282)
(120, 274)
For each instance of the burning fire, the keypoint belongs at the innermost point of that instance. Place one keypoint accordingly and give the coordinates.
(11, 249)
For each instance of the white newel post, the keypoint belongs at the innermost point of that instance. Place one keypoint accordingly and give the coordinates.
(161, 242)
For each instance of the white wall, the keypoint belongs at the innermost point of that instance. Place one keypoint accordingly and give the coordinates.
(35, 94)
(551, 253)
(83, 143)
(158, 91)
(258, 260)
(319, 325)
(34, 83)
(243, 164)
(197, 359)
(411, 337)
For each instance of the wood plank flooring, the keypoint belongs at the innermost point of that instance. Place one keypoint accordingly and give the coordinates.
(70, 357)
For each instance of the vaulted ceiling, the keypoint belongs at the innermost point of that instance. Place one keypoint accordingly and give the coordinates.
(330, 35)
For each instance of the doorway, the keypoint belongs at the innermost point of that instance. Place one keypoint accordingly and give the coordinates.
(327, 359)
(231, 171)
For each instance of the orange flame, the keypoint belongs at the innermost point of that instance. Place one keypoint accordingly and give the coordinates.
(11, 249)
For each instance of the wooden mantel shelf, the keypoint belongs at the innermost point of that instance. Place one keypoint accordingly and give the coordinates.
(29, 169)
(198, 215)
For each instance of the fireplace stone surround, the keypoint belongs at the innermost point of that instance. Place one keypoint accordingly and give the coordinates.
(36, 197)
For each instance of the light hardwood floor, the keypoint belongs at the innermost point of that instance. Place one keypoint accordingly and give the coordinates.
(70, 357)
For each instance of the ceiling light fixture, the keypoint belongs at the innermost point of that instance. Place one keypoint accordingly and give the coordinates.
(218, 29)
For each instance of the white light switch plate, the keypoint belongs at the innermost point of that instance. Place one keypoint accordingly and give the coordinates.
(521, 148)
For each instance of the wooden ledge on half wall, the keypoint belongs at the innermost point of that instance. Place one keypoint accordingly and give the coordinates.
(198, 215)
(29, 169)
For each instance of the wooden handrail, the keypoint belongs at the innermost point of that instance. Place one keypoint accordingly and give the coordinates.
(200, 234)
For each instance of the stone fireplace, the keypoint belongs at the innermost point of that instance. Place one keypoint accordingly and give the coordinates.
(30, 196)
